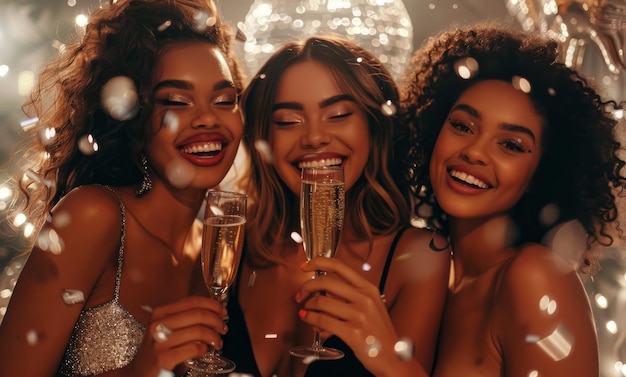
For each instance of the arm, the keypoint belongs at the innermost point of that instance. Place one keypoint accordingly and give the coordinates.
(543, 319)
(91, 240)
(353, 310)
(37, 307)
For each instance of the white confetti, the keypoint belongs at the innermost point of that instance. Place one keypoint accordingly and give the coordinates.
(87, 145)
(119, 98)
(73, 296)
(32, 337)
(179, 173)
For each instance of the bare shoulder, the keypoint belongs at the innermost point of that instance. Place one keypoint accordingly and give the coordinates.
(424, 246)
(422, 255)
(90, 201)
(540, 300)
(535, 270)
(88, 219)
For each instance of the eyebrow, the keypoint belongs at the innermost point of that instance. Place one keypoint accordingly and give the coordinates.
(186, 85)
(505, 126)
(325, 103)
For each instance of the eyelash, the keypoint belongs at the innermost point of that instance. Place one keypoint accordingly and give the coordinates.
(221, 100)
(340, 116)
(172, 100)
(514, 145)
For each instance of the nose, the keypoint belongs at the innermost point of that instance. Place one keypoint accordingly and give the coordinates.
(476, 152)
(204, 117)
(315, 135)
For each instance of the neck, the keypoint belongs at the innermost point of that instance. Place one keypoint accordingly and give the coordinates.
(479, 244)
(168, 215)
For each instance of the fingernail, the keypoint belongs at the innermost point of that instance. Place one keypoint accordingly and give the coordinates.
(301, 313)
(303, 265)
(298, 295)
(225, 329)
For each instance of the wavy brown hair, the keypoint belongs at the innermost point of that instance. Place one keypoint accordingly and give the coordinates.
(374, 205)
(580, 171)
(123, 39)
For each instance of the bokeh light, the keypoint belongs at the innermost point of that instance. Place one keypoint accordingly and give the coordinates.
(382, 26)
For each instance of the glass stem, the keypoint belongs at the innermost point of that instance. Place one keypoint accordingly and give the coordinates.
(317, 341)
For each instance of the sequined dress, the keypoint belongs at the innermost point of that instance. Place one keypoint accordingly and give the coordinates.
(105, 337)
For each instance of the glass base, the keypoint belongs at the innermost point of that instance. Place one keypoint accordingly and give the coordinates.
(319, 353)
(213, 364)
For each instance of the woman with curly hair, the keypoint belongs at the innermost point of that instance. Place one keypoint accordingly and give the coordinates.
(508, 143)
(326, 101)
(138, 119)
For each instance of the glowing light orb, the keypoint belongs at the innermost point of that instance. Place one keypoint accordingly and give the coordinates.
(382, 26)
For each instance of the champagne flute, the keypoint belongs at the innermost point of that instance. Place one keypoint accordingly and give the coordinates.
(222, 241)
(322, 201)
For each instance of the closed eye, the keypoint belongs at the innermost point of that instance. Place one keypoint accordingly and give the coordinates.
(226, 99)
(285, 123)
(174, 100)
(340, 116)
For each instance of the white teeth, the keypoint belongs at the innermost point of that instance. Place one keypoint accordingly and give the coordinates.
(468, 179)
(204, 147)
(317, 163)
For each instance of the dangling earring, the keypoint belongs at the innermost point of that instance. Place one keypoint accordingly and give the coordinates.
(146, 183)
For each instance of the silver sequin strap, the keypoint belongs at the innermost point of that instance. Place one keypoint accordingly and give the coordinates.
(120, 254)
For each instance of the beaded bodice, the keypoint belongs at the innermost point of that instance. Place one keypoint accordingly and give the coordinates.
(105, 337)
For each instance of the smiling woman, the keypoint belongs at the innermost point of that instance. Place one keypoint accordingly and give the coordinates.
(326, 101)
(507, 144)
(145, 120)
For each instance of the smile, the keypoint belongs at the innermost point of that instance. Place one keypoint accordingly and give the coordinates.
(468, 179)
(202, 148)
(333, 161)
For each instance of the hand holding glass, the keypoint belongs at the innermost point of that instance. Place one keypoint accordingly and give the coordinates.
(222, 241)
(322, 201)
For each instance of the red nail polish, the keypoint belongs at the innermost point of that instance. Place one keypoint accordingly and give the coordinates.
(301, 313)
(298, 296)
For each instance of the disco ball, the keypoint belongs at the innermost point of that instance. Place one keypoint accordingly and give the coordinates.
(382, 26)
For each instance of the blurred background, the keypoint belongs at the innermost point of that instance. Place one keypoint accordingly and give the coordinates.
(593, 33)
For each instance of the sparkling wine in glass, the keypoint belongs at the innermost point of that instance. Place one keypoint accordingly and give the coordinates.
(222, 241)
(322, 201)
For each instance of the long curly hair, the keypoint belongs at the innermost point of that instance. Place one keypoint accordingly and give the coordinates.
(375, 204)
(123, 39)
(580, 170)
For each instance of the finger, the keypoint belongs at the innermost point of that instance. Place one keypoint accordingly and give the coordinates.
(335, 266)
(353, 315)
(191, 334)
(169, 358)
(187, 304)
(191, 317)
(334, 285)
